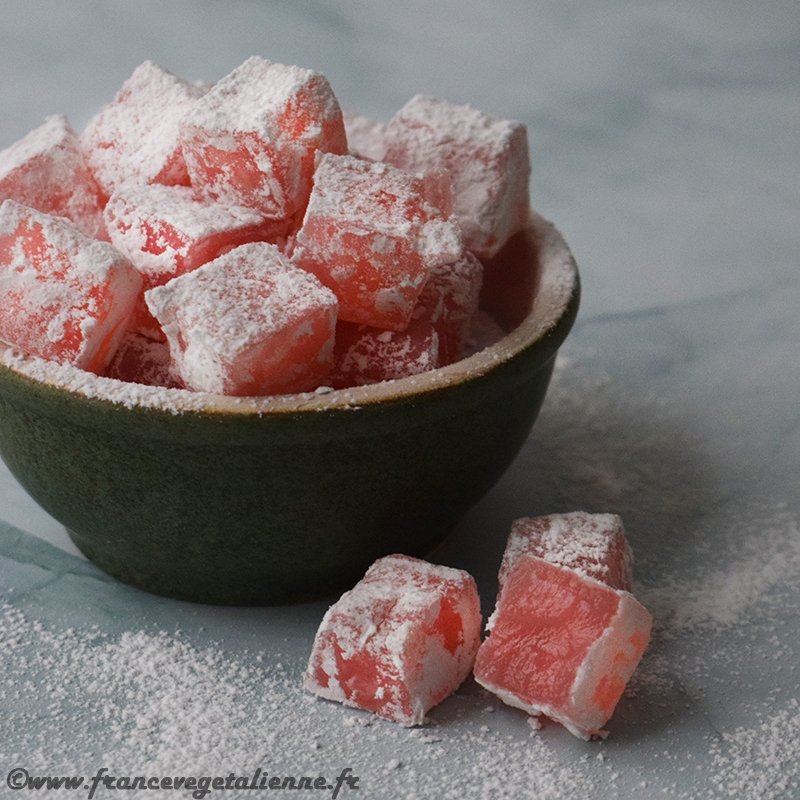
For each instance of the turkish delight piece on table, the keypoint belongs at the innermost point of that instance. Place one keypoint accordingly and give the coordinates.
(63, 296)
(449, 302)
(562, 644)
(136, 137)
(166, 231)
(365, 355)
(370, 235)
(253, 138)
(592, 544)
(247, 323)
(46, 170)
(399, 642)
(486, 157)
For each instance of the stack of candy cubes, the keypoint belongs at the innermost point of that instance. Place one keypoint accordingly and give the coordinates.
(247, 238)
(565, 636)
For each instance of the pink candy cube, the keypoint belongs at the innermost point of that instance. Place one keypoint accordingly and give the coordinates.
(136, 136)
(365, 355)
(449, 302)
(370, 235)
(562, 645)
(46, 170)
(486, 157)
(252, 139)
(399, 642)
(63, 296)
(165, 231)
(247, 323)
(592, 544)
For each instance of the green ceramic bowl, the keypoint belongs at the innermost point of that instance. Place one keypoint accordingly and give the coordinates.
(266, 500)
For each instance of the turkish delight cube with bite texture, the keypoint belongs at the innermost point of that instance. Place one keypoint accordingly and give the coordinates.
(562, 644)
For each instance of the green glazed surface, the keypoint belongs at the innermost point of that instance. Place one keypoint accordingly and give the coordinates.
(220, 506)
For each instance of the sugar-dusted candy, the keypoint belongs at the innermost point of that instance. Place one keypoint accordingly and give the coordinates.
(364, 136)
(449, 302)
(63, 296)
(370, 235)
(562, 644)
(486, 157)
(591, 544)
(253, 138)
(247, 323)
(365, 355)
(140, 359)
(46, 170)
(399, 642)
(136, 136)
(166, 231)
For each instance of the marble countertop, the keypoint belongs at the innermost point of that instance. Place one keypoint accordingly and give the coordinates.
(664, 141)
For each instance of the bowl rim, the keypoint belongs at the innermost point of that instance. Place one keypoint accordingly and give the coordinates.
(557, 291)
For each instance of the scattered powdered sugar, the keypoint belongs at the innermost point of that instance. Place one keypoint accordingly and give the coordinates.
(761, 762)
(152, 704)
(721, 597)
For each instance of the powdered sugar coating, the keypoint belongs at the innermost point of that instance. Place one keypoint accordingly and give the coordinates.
(487, 158)
(400, 641)
(593, 545)
(46, 170)
(247, 323)
(63, 296)
(136, 136)
(370, 234)
(252, 139)
(166, 231)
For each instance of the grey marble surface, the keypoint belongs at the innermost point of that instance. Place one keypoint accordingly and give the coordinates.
(664, 140)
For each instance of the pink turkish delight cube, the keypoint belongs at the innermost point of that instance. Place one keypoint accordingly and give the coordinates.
(591, 544)
(562, 644)
(166, 231)
(136, 136)
(46, 170)
(399, 642)
(486, 157)
(247, 323)
(365, 355)
(63, 296)
(253, 138)
(449, 302)
(370, 235)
